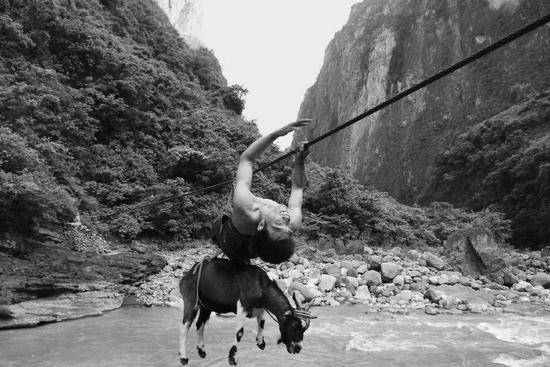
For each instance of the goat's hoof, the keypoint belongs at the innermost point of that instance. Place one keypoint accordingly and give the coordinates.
(232, 356)
(184, 361)
(261, 345)
(202, 352)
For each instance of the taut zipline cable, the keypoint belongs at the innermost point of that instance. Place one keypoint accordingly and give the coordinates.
(435, 77)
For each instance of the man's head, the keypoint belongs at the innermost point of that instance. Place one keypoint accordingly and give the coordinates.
(273, 250)
(276, 221)
(273, 241)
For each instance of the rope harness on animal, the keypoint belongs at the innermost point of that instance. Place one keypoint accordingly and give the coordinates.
(435, 77)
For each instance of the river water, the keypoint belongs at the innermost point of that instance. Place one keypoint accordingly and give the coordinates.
(341, 336)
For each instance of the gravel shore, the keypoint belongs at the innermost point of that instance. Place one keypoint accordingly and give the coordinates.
(395, 280)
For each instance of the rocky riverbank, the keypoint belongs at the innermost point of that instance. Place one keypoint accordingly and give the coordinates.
(58, 282)
(397, 280)
(469, 274)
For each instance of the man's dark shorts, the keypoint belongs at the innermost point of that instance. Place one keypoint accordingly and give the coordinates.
(236, 246)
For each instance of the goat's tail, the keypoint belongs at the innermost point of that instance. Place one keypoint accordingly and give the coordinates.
(187, 285)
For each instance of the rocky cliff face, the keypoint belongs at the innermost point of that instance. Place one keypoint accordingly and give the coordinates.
(388, 46)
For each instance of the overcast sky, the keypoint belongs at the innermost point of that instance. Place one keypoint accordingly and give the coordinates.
(273, 48)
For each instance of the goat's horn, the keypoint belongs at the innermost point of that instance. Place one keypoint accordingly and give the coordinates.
(298, 307)
(304, 314)
(307, 325)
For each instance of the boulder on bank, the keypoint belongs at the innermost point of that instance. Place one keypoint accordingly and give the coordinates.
(430, 310)
(523, 286)
(362, 293)
(413, 254)
(332, 269)
(542, 279)
(326, 282)
(372, 278)
(308, 293)
(350, 264)
(433, 260)
(478, 300)
(399, 280)
(375, 262)
(433, 295)
(509, 279)
(406, 296)
(389, 270)
(475, 252)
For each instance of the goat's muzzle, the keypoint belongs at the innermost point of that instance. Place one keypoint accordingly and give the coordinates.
(293, 348)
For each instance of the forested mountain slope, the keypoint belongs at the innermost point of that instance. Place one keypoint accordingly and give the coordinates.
(505, 161)
(102, 105)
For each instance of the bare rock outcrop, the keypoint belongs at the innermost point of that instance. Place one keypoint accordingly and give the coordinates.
(54, 283)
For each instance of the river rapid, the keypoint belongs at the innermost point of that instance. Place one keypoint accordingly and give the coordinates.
(341, 336)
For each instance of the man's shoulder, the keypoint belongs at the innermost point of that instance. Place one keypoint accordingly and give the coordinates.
(245, 220)
(267, 202)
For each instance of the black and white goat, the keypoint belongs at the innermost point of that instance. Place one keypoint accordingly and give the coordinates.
(245, 290)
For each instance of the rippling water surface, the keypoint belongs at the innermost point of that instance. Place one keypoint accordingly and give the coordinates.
(342, 336)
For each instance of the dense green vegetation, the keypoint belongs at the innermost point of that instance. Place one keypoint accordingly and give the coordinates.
(340, 207)
(107, 115)
(103, 105)
(506, 161)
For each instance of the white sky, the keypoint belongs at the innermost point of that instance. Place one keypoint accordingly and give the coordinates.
(273, 48)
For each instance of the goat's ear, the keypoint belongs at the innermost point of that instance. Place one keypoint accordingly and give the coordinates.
(261, 225)
(288, 314)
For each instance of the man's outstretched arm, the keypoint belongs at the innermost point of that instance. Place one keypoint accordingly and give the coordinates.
(243, 181)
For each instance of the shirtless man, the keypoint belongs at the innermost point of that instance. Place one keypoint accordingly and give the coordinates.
(259, 227)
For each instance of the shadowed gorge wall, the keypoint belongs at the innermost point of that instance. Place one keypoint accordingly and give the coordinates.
(415, 149)
(387, 46)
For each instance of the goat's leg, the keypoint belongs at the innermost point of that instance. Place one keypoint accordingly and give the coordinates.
(189, 314)
(241, 315)
(260, 317)
(204, 315)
